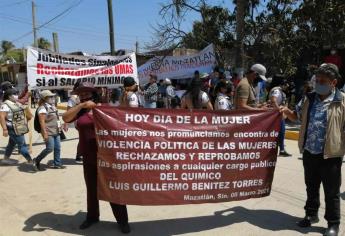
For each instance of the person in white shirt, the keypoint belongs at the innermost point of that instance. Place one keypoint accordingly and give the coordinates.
(170, 93)
(195, 98)
(115, 97)
(222, 101)
(50, 129)
(129, 97)
(13, 120)
(72, 102)
(277, 98)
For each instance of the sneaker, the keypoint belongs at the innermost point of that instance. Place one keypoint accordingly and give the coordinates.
(87, 223)
(58, 167)
(332, 230)
(8, 161)
(37, 164)
(125, 228)
(284, 154)
(79, 160)
(308, 221)
(34, 166)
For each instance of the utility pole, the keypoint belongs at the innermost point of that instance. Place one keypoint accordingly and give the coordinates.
(111, 27)
(34, 23)
(240, 15)
(137, 47)
(55, 42)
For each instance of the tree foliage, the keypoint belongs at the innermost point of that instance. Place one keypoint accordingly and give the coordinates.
(9, 52)
(6, 46)
(283, 34)
(44, 43)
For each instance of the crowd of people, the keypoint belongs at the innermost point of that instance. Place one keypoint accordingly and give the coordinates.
(321, 112)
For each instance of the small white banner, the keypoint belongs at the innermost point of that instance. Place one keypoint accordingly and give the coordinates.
(179, 67)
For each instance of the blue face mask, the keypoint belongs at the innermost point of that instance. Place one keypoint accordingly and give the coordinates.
(323, 89)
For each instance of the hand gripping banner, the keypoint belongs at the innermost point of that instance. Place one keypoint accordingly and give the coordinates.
(165, 157)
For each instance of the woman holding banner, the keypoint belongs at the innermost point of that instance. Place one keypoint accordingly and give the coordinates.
(82, 113)
(195, 98)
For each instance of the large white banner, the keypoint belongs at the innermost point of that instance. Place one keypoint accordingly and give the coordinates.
(54, 70)
(179, 67)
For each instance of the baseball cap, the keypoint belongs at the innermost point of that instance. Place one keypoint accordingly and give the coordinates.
(84, 87)
(6, 85)
(260, 70)
(167, 81)
(330, 70)
(46, 93)
(129, 81)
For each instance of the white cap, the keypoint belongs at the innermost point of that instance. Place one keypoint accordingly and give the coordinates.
(204, 75)
(260, 70)
(167, 81)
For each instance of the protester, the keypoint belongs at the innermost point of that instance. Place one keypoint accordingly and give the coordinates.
(33, 98)
(245, 97)
(215, 77)
(150, 93)
(322, 143)
(170, 93)
(13, 120)
(334, 58)
(72, 102)
(115, 97)
(195, 98)
(82, 113)
(205, 82)
(161, 95)
(50, 129)
(277, 98)
(222, 100)
(129, 97)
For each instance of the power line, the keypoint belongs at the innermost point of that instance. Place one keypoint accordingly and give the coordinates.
(13, 4)
(48, 22)
(61, 14)
(66, 29)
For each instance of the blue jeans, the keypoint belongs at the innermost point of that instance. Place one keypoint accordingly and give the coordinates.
(16, 140)
(150, 104)
(282, 136)
(53, 144)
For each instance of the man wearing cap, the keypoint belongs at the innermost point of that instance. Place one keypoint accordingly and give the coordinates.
(245, 97)
(50, 129)
(151, 92)
(322, 142)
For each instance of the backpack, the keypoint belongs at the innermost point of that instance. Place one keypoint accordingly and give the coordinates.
(18, 121)
(37, 125)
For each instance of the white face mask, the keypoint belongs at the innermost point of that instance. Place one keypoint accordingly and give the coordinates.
(51, 100)
(13, 98)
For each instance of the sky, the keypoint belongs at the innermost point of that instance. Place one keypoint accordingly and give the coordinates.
(85, 27)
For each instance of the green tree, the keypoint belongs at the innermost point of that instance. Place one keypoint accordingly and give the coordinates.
(282, 34)
(43, 43)
(16, 54)
(6, 46)
(215, 28)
